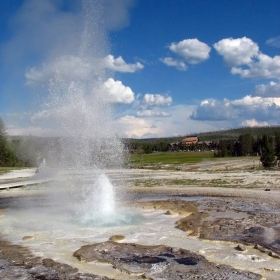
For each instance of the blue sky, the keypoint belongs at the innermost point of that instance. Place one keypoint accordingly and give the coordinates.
(172, 67)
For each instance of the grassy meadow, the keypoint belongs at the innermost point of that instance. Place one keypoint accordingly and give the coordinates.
(170, 158)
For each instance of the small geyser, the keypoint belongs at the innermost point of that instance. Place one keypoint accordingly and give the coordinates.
(105, 193)
(99, 204)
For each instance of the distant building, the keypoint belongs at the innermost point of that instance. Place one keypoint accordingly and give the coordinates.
(190, 140)
(174, 146)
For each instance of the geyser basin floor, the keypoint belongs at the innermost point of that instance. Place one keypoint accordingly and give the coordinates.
(53, 237)
(57, 237)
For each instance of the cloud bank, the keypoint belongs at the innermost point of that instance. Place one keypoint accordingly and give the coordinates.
(267, 90)
(248, 107)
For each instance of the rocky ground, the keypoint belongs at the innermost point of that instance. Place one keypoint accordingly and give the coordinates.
(159, 262)
(240, 220)
(17, 262)
(238, 205)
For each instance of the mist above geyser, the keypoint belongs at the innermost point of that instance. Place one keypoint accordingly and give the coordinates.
(81, 109)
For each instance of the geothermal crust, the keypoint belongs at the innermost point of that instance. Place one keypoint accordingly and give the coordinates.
(17, 262)
(248, 217)
(159, 262)
(245, 226)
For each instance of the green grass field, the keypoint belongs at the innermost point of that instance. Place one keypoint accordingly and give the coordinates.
(172, 158)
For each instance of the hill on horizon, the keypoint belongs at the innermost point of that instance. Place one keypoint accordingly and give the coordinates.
(217, 135)
(203, 136)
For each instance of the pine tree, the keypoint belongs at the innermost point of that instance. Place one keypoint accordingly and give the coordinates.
(246, 144)
(268, 158)
(7, 157)
(277, 146)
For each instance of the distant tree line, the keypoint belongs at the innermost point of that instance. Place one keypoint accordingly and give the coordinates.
(146, 145)
(17, 152)
(264, 142)
(266, 146)
(235, 132)
(7, 156)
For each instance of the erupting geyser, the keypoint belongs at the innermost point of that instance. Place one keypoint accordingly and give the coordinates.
(81, 110)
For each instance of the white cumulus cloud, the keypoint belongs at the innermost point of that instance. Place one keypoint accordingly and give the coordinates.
(264, 67)
(268, 90)
(214, 110)
(177, 124)
(253, 123)
(237, 51)
(119, 65)
(155, 100)
(246, 60)
(248, 107)
(135, 127)
(169, 61)
(191, 50)
(116, 92)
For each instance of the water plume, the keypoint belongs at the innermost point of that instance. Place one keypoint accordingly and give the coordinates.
(83, 115)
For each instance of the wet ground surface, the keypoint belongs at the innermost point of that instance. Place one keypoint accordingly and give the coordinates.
(247, 221)
(32, 177)
(17, 262)
(242, 221)
(159, 262)
(237, 220)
